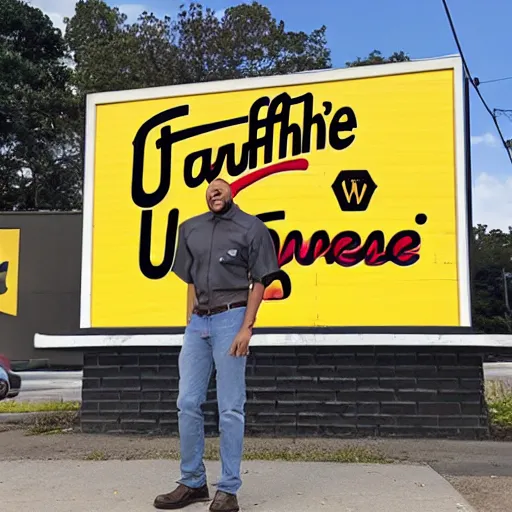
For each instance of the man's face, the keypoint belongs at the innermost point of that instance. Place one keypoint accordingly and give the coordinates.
(218, 195)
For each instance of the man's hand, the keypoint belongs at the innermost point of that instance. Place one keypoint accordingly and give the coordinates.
(240, 346)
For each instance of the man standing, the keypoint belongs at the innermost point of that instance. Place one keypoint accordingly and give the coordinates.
(227, 257)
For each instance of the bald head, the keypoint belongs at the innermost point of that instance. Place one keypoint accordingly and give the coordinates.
(218, 196)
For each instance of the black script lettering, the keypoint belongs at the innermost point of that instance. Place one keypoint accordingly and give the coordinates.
(150, 270)
(139, 196)
(374, 249)
(279, 291)
(254, 142)
(269, 217)
(284, 289)
(305, 253)
(209, 171)
(227, 154)
(317, 120)
(199, 166)
(337, 126)
(284, 102)
(403, 248)
(279, 112)
(164, 144)
(343, 249)
(261, 135)
(346, 249)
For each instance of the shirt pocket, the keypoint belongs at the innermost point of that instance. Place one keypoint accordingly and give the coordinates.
(235, 257)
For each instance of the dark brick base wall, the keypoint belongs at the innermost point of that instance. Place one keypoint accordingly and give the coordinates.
(304, 391)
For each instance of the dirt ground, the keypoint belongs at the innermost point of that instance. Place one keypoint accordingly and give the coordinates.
(481, 471)
(485, 493)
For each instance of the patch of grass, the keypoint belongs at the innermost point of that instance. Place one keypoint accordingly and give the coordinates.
(13, 406)
(96, 455)
(53, 423)
(289, 452)
(499, 402)
(347, 455)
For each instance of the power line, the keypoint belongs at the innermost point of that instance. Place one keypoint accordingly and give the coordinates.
(475, 86)
(503, 112)
(495, 80)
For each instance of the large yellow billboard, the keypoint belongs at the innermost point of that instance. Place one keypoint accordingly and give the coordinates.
(359, 174)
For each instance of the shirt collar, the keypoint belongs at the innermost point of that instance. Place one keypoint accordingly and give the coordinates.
(229, 215)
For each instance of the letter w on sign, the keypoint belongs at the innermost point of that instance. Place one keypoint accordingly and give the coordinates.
(354, 190)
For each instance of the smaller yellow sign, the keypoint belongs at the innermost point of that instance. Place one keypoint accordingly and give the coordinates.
(9, 265)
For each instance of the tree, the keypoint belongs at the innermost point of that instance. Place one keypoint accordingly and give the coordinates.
(376, 57)
(110, 54)
(42, 98)
(491, 255)
(37, 150)
(197, 46)
(246, 42)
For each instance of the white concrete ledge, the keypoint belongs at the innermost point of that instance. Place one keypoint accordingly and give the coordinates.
(276, 340)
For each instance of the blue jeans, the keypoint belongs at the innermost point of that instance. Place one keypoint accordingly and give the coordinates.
(207, 342)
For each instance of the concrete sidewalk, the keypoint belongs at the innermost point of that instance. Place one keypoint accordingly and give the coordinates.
(130, 486)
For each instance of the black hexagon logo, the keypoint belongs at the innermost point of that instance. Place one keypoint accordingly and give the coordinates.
(354, 190)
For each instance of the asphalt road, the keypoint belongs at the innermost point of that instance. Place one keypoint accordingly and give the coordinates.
(43, 386)
(498, 371)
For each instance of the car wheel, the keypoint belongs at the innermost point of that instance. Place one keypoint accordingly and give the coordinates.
(4, 389)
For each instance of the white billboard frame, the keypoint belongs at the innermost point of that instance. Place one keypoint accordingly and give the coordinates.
(463, 215)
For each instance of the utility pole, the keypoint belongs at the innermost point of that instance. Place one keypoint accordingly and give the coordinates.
(506, 275)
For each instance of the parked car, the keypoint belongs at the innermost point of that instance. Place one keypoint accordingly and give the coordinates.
(10, 382)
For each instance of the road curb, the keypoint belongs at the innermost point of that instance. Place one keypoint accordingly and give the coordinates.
(24, 418)
(18, 417)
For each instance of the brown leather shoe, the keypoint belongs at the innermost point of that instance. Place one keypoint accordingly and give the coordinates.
(224, 502)
(181, 497)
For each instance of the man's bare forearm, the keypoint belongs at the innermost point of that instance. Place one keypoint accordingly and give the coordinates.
(191, 301)
(253, 304)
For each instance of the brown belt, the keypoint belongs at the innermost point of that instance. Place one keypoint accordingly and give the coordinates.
(219, 309)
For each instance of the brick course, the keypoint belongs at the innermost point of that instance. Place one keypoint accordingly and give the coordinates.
(299, 391)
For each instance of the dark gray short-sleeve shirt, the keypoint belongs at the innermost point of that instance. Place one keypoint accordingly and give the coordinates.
(221, 254)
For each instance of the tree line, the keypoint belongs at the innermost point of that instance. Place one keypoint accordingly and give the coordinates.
(45, 75)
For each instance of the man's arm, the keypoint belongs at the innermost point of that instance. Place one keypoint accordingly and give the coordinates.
(262, 265)
(253, 304)
(191, 301)
(181, 267)
(240, 346)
